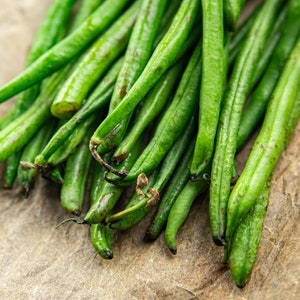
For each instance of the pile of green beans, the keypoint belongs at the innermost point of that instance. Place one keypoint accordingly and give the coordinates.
(140, 107)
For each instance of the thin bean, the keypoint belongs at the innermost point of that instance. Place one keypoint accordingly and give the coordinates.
(212, 83)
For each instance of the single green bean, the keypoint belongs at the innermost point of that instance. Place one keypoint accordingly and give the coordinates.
(180, 210)
(101, 240)
(233, 102)
(212, 83)
(177, 182)
(11, 168)
(232, 10)
(246, 239)
(62, 53)
(73, 190)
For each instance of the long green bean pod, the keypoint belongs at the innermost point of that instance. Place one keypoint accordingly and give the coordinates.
(178, 180)
(259, 100)
(62, 53)
(232, 106)
(180, 210)
(239, 35)
(246, 239)
(164, 56)
(99, 233)
(268, 145)
(212, 83)
(232, 10)
(93, 64)
(73, 190)
(101, 240)
(153, 104)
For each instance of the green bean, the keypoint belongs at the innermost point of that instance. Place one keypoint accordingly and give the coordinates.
(62, 53)
(139, 50)
(165, 55)
(100, 234)
(232, 10)
(246, 239)
(179, 178)
(101, 240)
(180, 210)
(152, 106)
(262, 93)
(212, 83)
(98, 98)
(86, 8)
(233, 102)
(93, 64)
(240, 34)
(109, 194)
(73, 190)
(55, 174)
(11, 168)
(174, 120)
(26, 178)
(268, 145)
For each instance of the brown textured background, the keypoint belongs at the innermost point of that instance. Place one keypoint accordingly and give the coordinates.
(38, 261)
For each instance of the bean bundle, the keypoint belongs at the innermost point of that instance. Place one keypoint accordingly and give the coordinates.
(151, 101)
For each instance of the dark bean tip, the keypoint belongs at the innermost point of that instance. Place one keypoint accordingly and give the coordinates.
(108, 254)
(173, 251)
(148, 237)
